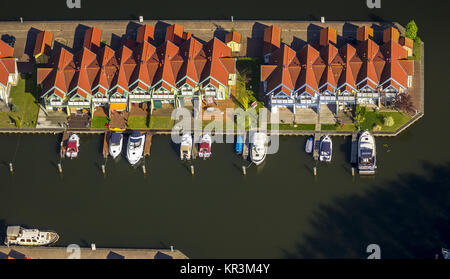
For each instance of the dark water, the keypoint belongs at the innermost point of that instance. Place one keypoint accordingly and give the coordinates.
(278, 210)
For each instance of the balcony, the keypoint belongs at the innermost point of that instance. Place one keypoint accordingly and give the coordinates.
(78, 103)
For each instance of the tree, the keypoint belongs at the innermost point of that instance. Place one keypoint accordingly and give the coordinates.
(388, 121)
(411, 30)
(403, 102)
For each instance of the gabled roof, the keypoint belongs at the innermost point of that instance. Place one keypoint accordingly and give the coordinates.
(312, 69)
(6, 50)
(219, 64)
(333, 67)
(145, 33)
(272, 39)
(108, 67)
(174, 33)
(328, 35)
(391, 33)
(373, 64)
(7, 67)
(44, 42)
(165, 75)
(193, 54)
(233, 37)
(141, 75)
(352, 64)
(92, 39)
(364, 33)
(87, 69)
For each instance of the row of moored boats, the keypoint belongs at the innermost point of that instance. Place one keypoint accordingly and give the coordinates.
(134, 152)
(366, 151)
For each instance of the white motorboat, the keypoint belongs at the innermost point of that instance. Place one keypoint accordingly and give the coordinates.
(309, 145)
(325, 149)
(204, 150)
(186, 147)
(73, 143)
(366, 153)
(16, 235)
(135, 147)
(258, 150)
(115, 144)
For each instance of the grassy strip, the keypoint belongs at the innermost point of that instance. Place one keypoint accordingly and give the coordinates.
(25, 105)
(138, 122)
(99, 122)
(160, 122)
(377, 118)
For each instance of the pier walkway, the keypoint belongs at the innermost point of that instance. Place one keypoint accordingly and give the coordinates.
(87, 253)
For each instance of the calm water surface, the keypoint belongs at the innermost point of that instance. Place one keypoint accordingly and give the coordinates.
(279, 210)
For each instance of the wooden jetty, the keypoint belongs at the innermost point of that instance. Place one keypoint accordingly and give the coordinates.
(245, 147)
(317, 137)
(354, 151)
(194, 151)
(148, 143)
(106, 144)
(62, 150)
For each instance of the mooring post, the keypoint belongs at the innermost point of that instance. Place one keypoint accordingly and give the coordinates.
(244, 170)
(11, 168)
(21, 19)
(171, 248)
(59, 167)
(192, 170)
(315, 171)
(103, 169)
(144, 170)
(353, 171)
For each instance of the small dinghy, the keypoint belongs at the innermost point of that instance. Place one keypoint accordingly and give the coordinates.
(325, 149)
(135, 148)
(115, 144)
(309, 145)
(205, 147)
(186, 147)
(239, 145)
(72, 146)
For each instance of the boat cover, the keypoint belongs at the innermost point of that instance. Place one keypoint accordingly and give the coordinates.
(13, 231)
(326, 147)
(72, 145)
(135, 137)
(366, 153)
(115, 138)
(239, 145)
(203, 146)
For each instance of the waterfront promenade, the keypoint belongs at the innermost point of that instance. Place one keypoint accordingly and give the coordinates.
(87, 253)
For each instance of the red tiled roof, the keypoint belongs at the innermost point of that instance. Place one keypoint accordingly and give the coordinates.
(216, 65)
(233, 37)
(6, 50)
(364, 33)
(192, 54)
(145, 33)
(174, 33)
(272, 39)
(391, 33)
(44, 42)
(92, 39)
(328, 35)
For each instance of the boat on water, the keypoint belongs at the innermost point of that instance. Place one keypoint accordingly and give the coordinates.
(309, 145)
(16, 235)
(239, 145)
(258, 150)
(135, 147)
(325, 149)
(366, 153)
(115, 144)
(186, 147)
(204, 150)
(73, 143)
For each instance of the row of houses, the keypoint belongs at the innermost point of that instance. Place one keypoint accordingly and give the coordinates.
(9, 75)
(365, 73)
(176, 72)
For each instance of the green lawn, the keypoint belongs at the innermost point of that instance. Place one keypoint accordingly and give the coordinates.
(138, 122)
(376, 118)
(23, 98)
(345, 127)
(99, 122)
(161, 122)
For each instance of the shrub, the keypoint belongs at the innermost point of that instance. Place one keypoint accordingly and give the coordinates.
(411, 30)
(388, 121)
(14, 108)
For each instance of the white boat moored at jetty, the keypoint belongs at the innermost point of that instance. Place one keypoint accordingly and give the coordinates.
(115, 144)
(73, 143)
(366, 153)
(204, 150)
(135, 147)
(258, 150)
(16, 235)
(186, 147)
(309, 145)
(325, 149)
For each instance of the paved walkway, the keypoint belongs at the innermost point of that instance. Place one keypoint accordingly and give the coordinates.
(53, 119)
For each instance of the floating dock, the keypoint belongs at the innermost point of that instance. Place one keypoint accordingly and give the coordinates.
(18, 252)
(317, 137)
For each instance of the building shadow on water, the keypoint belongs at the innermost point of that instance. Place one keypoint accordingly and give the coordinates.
(407, 218)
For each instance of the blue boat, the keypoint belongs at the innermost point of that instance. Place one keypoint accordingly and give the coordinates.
(239, 145)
